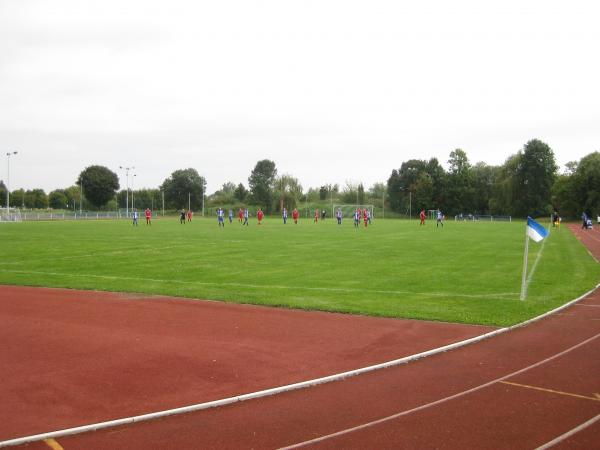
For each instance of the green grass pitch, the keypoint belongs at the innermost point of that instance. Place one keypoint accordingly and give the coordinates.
(465, 272)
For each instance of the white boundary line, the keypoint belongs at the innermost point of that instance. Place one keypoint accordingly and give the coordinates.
(257, 286)
(436, 402)
(569, 433)
(280, 389)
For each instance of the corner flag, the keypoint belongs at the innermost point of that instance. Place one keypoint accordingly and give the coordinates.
(538, 233)
(535, 231)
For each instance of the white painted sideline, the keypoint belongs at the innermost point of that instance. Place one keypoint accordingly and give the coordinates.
(277, 390)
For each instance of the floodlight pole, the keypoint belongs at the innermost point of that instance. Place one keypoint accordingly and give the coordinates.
(133, 191)
(127, 169)
(80, 195)
(8, 180)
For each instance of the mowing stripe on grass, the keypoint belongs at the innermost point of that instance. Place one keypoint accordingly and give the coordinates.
(281, 389)
(257, 286)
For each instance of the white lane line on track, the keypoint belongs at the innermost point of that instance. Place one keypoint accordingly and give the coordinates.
(437, 402)
(278, 390)
(257, 286)
(569, 433)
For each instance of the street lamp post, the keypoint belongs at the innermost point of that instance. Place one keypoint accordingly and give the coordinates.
(8, 180)
(127, 169)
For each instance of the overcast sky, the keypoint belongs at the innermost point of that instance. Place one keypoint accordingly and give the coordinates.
(329, 90)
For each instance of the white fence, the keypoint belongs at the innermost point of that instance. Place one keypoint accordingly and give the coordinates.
(482, 218)
(72, 216)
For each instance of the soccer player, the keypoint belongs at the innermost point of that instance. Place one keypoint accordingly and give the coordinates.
(316, 216)
(245, 217)
(284, 215)
(220, 217)
(182, 216)
(422, 217)
(295, 215)
(365, 217)
(240, 215)
(440, 219)
(260, 215)
(189, 215)
(148, 214)
(356, 218)
(135, 217)
(369, 216)
(338, 215)
(230, 215)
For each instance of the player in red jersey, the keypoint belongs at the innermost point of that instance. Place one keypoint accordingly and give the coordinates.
(189, 215)
(260, 215)
(295, 215)
(316, 216)
(148, 216)
(365, 218)
(240, 215)
(422, 217)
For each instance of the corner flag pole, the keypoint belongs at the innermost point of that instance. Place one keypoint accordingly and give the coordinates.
(525, 256)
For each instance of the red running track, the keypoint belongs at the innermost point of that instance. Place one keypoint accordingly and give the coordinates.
(521, 389)
(71, 358)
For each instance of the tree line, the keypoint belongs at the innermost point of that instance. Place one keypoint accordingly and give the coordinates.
(528, 183)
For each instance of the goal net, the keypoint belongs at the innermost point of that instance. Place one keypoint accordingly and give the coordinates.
(348, 210)
(10, 215)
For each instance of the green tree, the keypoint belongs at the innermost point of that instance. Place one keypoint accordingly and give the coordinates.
(484, 179)
(73, 194)
(361, 194)
(534, 179)
(288, 192)
(99, 184)
(460, 194)
(564, 196)
(261, 182)
(403, 183)
(179, 185)
(240, 192)
(57, 199)
(423, 192)
(2, 193)
(505, 187)
(34, 198)
(587, 183)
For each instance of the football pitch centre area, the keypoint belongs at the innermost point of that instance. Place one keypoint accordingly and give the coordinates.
(464, 272)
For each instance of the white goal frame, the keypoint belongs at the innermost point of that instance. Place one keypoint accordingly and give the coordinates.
(348, 210)
(12, 215)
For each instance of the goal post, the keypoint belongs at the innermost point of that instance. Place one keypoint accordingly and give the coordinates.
(348, 210)
(10, 215)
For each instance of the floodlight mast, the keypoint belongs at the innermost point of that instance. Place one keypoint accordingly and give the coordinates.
(127, 169)
(8, 154)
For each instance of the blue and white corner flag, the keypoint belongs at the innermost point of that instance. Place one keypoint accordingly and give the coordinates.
(535, 231)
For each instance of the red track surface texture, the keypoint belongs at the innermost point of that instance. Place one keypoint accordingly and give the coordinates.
(77, 357)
